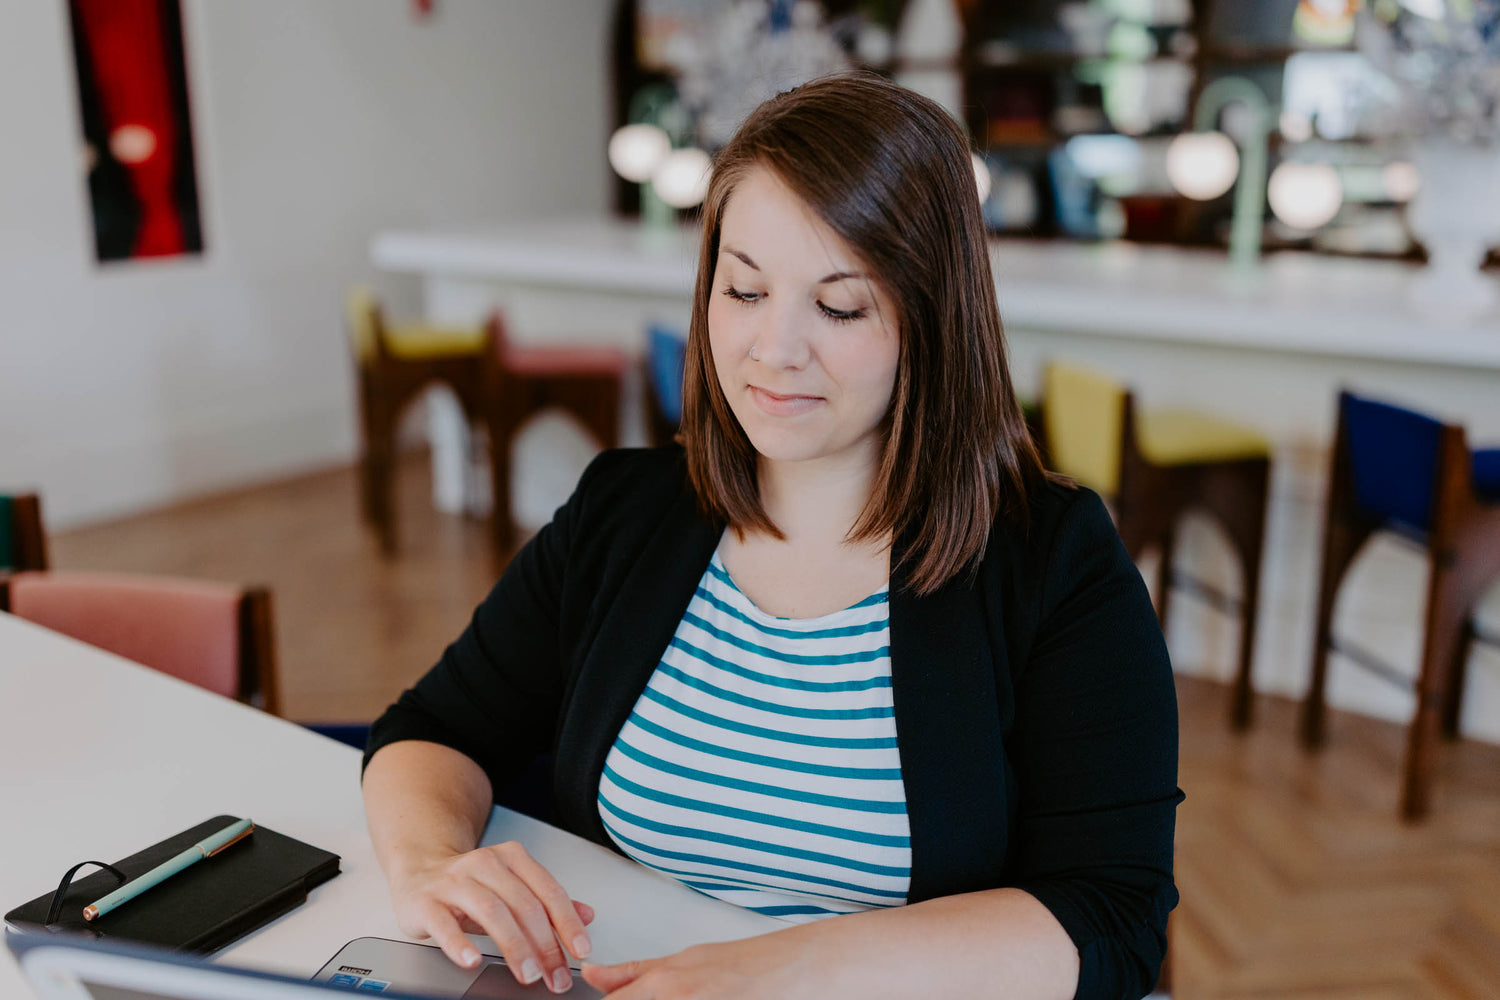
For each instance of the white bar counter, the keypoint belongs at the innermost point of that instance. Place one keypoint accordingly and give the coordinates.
(1269, 347)
(1293, 302)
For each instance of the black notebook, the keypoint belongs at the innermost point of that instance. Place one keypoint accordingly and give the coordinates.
(202, 908)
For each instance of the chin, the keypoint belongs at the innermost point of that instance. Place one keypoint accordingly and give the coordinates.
(787, 451)
(782, 444)
(787, 444)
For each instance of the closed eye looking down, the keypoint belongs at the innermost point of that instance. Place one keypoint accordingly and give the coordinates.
(837, 315)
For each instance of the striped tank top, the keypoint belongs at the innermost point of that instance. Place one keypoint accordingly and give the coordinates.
(760, 765)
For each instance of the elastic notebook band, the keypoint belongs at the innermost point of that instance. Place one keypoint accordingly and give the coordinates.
(55, 910)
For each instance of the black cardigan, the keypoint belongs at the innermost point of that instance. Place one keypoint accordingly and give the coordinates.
(1035, 712)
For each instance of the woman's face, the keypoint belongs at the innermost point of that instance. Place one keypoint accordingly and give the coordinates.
(823, 334)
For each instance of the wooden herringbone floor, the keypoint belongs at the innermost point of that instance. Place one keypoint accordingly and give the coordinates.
(1297, 879)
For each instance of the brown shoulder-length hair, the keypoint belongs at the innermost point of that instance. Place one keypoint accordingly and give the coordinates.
(889, 171)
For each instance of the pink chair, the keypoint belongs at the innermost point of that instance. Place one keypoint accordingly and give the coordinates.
(521, 381)
(209, 634)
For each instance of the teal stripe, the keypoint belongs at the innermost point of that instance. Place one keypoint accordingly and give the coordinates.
(829, 742)
(898, 841)
(787, 911)
(730, 840)
(791, 633)
(724, 781)
(800, 659)
(796, 659)
(745, 885)
(784, 764)
(716, 886)
(744, 866)
(751, 816)
(722, 575)
(869, 602)
(878, 712)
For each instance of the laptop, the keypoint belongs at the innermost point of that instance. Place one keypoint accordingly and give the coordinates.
(63, 966)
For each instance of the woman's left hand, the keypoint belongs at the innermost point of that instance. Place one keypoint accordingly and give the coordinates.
(784, 965)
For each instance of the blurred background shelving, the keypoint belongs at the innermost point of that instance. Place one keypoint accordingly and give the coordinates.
(1072, 104)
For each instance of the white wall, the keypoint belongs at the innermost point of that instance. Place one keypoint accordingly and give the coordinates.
(317, 123)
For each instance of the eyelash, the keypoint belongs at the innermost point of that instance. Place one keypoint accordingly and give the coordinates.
(833, 314)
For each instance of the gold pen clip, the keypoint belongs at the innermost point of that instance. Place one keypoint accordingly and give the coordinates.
(230, 843)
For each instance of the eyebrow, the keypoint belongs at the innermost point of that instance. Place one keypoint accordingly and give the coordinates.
(835, 276)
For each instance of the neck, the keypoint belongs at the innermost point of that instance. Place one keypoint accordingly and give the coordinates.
(817, 499)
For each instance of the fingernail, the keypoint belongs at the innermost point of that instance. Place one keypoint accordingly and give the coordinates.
(561, 981)
(530, 971)
(581, 945)
(469, 956)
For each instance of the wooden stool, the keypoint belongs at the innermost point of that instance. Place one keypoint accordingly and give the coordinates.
(522, 381)
(1401, 471)
(397, 362)
(23, 543)
(1156, 466)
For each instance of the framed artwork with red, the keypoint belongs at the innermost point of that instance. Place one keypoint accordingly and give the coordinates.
(137, 130)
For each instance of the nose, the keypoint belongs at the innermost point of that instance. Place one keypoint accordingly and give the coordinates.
(783, 341)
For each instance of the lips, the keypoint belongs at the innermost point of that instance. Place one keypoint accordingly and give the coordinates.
(783, 405)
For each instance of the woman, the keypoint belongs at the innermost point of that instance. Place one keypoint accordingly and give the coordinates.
(847, 650)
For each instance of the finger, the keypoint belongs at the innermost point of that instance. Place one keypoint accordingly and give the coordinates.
(606, 978)
(443, 928)
(585, 913)
(494, 914)
(534, 919)
(564, 916)
(637, 989)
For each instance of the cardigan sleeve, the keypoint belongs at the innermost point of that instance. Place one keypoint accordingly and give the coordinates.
(496, 692)
(1094, 750)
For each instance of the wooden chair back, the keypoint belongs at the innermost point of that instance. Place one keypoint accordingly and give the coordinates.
(23, 543)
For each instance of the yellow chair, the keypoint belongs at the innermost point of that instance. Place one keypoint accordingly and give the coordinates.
(499, 384)
(1155, 466)
(396, 361)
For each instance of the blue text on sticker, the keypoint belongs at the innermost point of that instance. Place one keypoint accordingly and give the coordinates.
(373, 986)
(344, 979)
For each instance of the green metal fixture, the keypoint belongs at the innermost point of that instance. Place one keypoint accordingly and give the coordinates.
(1250, 187)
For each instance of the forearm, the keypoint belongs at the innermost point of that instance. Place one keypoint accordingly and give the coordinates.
(999, 942)
(423, 801)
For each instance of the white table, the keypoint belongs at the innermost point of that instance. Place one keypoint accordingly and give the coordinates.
(103, 757)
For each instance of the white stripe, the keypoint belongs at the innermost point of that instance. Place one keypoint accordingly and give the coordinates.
(874, 789)
(799, 645)
(732, 596)
(889, 826)
(791, 872)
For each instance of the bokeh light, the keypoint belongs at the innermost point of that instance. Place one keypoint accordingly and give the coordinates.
(1202, 165)
(1305, 195)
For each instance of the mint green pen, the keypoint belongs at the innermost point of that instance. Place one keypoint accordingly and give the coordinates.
(206, 848)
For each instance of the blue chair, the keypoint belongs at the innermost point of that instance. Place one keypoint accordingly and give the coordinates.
(351, 734)
(666, 362)
(1402, 471)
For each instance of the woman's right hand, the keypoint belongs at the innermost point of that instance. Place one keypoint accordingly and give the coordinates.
(501, 891)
